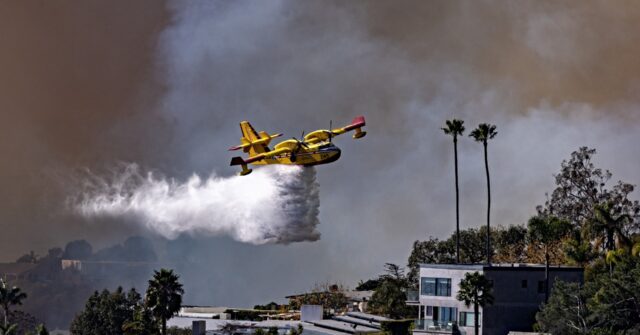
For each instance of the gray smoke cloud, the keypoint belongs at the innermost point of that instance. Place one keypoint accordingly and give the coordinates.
(275, 204)
(553, 76)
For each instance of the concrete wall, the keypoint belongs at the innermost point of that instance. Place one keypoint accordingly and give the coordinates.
(515, 307)
(456, 276)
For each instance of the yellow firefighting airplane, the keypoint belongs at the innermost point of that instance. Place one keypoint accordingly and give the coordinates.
(315, 148)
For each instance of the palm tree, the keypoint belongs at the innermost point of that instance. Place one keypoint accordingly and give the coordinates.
(454, 128)
(475, 289)
(612, 227)
(545, 232)
(9, 296)
(164, 296)
(614, 257)
(483, 134)
(8, 330)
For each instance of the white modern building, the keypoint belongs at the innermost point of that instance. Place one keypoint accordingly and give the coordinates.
(518, 291)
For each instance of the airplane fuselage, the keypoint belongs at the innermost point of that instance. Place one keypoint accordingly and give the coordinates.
(321, 153)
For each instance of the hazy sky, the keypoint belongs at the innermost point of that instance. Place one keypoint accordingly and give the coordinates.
(89, 84)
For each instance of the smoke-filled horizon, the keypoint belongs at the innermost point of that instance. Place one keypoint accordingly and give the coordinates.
(164, 85)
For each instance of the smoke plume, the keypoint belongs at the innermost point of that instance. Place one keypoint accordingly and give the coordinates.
(275, 204)
(164, 84)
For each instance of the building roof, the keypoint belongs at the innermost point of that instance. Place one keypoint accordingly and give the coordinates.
(500, 267)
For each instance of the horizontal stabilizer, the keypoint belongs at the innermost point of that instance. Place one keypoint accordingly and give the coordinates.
(237, 161)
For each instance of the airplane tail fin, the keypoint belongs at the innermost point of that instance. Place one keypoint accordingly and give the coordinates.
(252, 142)
(357, 124)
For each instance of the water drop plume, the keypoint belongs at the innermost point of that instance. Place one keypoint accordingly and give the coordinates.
(274, 204)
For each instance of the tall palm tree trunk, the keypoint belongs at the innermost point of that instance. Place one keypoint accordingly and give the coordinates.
(611, 244)
(5, 310)
(486, 165)
(546, 275)
(455, 151)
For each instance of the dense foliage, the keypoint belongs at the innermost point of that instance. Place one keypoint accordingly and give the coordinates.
(509, 245)
(603, 237)
(390, 297)
(475, 290)
(121, 312)
(396, 327)
(9, 297)
(107, 313)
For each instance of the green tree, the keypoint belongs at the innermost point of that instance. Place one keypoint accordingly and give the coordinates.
(607, 303)
(509, 247)
(577, 248)
(390, 298)
(164, 296)
(475, 289)
(8, 329)
(368, 285)
(142, 323)
(581, 186)
(455, 128)
(31, 257)
(9, 296)
(483, 133)
(510, 244)
(615, 302)
(41, 330)
(546, 233)
(567, 311)
(106, 312)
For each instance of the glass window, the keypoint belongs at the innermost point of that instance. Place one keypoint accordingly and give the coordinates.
(428, 286)
(525, 283)
(444, 287)
(435, 286)
(467, 319)
(429, 310)
(446, 314)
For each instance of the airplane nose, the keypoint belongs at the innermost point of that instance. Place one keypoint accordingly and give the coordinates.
(336, 154)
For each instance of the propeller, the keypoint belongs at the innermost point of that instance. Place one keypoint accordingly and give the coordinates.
(298, 145)
(330, 130)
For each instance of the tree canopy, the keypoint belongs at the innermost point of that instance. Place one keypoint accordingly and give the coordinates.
(390, 297)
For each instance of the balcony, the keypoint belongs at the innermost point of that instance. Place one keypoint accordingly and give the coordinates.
(435, 327)
(413, 298)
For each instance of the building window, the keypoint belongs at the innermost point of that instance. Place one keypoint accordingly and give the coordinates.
(445, 314)
(541, 286)
(428, 286)
(429, 310)
(467, 319)
(435, 286)
(525, 283)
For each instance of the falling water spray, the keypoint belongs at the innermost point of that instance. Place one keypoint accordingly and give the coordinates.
(275, 204)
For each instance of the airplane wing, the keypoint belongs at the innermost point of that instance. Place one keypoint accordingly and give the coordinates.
(240, 160)
(324, 135)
